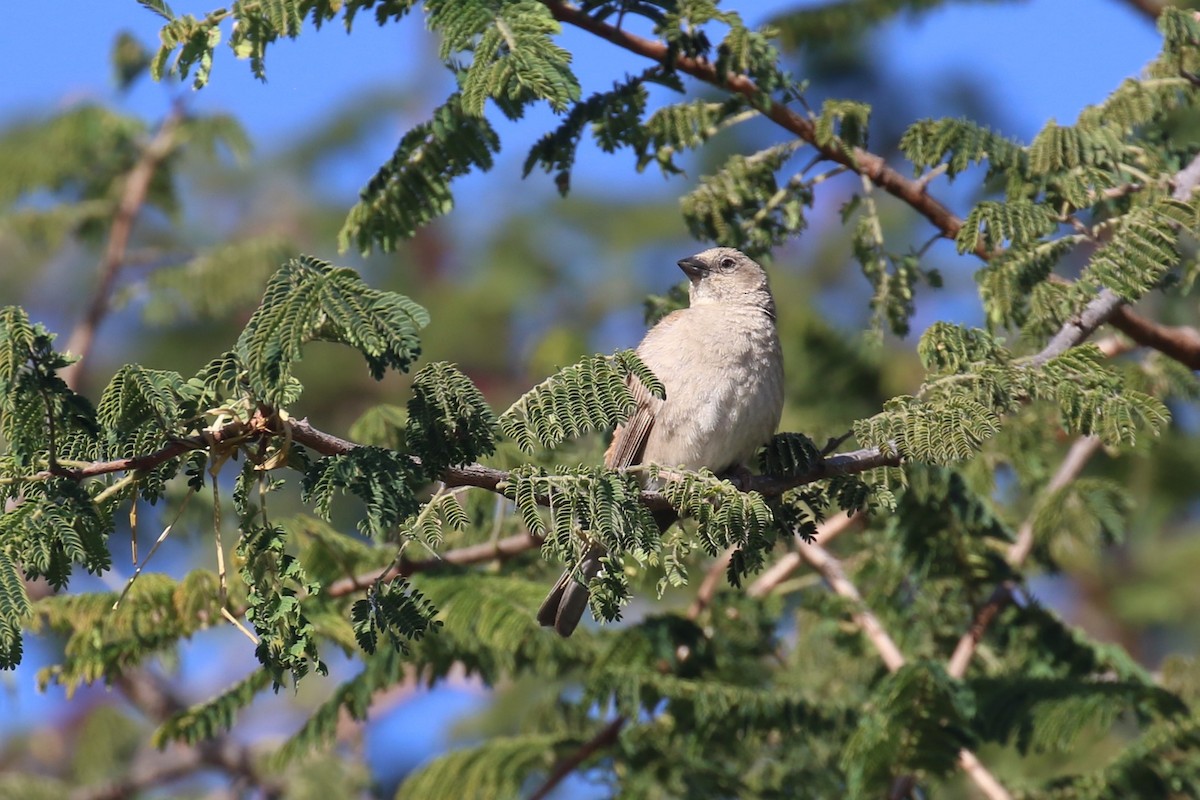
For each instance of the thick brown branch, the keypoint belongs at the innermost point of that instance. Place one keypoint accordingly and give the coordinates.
(1182, 344)
(133, 197)
(857, 159)
(1179, 342)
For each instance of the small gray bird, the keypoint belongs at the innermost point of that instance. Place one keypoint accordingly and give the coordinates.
(720, 363)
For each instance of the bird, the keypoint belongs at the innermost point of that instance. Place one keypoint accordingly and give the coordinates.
(721, 366)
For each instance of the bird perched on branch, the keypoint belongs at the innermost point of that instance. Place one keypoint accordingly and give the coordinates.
(720, 363)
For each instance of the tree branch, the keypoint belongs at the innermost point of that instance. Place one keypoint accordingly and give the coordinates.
(133, 197)
(472, 554)
(831, 570)
(778, 572)
(1180, 344)
(857, 159)
(1074, 462)
(606, 737)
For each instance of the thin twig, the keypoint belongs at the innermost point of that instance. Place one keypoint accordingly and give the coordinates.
(463, 556)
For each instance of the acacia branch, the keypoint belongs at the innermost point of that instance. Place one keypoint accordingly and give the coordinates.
(861, 161)
(1180, 344)
(606, 737)
(133, 197)
(463, 556)
(831, 570)
(1074, 462)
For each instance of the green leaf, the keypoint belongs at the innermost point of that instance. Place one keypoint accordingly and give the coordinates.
(308, 300)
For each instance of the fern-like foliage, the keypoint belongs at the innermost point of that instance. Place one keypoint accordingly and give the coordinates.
(590, 395)
(1091, 399)
(513, 57)
(138, 411)
(744, 206)
(90, 146)
(394, 609)
(960, 143)
(843, 122)
(1049, 714)
(449, 422)
(14, 611)
(217, 281)
(383, 479)
(1006, 283)
(41, 418)
(604, 503)
(615, 119)
(497, 768)
(307, 300)
(278, 586)
(725, 518)
(918, 722)
(103, 643)
(990, 225)
(789, 455)
(1160, 762)
(210, 718)
(1144, 247)
(413, 187)
(56, 527)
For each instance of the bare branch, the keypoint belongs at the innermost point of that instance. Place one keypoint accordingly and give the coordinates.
(708, 587)
(778, 572)
(1074, 462)
(607, 735)
(1179, 342)
(472, 554)
(133, 197)
(831, 570)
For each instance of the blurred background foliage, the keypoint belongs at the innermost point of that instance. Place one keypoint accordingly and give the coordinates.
(518, 281)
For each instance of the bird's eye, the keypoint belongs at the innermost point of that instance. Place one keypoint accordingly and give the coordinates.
(727, 263)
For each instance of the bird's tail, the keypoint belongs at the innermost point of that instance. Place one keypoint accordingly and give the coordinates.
(563, 607)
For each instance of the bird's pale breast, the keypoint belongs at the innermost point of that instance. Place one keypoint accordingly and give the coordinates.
(723, 376)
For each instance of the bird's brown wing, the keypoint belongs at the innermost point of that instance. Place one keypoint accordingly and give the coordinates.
(629, 438)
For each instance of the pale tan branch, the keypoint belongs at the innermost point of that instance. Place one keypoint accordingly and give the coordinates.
(831, 570)
(778, 572)
(133, 197)
(1070, 468)
(712, 580)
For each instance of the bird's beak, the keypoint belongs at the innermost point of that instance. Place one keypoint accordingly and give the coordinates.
(693, 267)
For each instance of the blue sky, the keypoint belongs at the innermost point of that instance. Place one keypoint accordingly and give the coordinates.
(1040, 59)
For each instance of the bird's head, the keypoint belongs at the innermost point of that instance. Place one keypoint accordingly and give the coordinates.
(726, 275)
